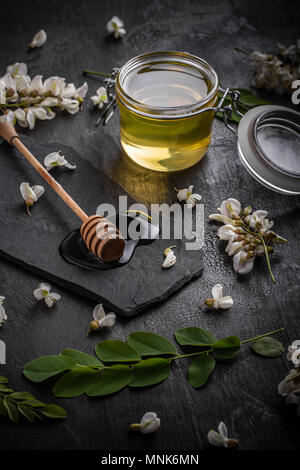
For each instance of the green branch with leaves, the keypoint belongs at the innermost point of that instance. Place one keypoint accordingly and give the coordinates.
(247, 100)
(13, 404)
(144, 359)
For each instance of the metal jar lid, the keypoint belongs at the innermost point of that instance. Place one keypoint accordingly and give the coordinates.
(269, 147)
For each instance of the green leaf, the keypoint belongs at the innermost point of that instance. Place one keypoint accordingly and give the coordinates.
(251, 100)
(21, 396)
(12, 410)
(193, 336)
(3, 410)
(114, 350)
(47, 366)
(81, 358)
(200, 369)
(75, 383)
(110, 380)
(3, 380)
(226, 348)
(150, 344)
(26, 411)
(150, 372)
(53, 411)
(5, 389)
(33, 403)
(268, 347)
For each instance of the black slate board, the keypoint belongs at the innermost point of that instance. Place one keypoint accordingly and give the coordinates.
(33, 242)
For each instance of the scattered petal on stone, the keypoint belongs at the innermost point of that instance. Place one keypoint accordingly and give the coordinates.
(39, 39)
(148, 424)
(115, 26)
(43, 292)
(101, 319)
(54, 159)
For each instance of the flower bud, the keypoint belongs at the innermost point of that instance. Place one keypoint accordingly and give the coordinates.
(238, 223)
(247, 211)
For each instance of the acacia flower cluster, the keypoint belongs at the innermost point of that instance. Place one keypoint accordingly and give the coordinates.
(277, 71)
(248, 234)
(24, 99)
(289, 387)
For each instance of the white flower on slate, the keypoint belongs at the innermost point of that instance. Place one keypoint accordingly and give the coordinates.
(54, 86)
(43, 292)
(259, 221)
(188, 196)
(8, 117)
(115, 26)
(218, 301)
(293, 353)
(170, 258)
(149, 423)
(226, 232)
(31, 194)
(39, 39)
(54, 159)
(36, 86)
(220, 438)
(243, 262)
(81, 92)
(72, 106)
(19, 68)
(102, 320)
(3, 316)
(100, 98)
(33, 114)
(230, 209)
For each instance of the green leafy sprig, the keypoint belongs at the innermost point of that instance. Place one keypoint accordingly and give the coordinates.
(144, 359)
(247, 100)
(13, 404)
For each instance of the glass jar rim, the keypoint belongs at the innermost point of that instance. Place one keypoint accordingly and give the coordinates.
(175, 112)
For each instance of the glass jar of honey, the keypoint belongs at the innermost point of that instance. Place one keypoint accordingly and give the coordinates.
(163, 97)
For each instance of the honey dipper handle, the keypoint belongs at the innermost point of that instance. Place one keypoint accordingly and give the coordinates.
(7, 131)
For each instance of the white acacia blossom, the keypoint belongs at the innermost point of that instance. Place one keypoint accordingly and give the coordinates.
(3, 316)
(221, 438)
(149, 423)
(289, 387)
(170, 258)
(31, 194)
(54, 159)
(101, 319)
(39, 39)
(115, 26)
(43, 292)
(188, 196)
(100, 98)
(218, 301)
(24, 100)
(248, 234)
(277, 71)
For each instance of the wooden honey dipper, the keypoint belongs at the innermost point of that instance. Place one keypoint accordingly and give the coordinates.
(101, 236)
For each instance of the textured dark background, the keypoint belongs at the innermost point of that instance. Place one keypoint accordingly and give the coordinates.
(243, 393)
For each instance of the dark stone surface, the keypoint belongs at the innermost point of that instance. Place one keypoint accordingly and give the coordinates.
(243, 393)
(33, 242)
